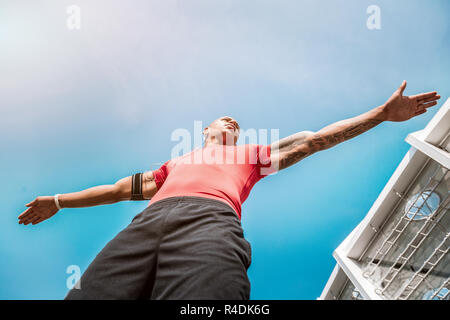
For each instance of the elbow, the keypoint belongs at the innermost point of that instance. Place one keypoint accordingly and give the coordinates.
(119, 193)
(115, 193)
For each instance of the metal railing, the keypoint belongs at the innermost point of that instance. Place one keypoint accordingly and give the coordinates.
(392, 240)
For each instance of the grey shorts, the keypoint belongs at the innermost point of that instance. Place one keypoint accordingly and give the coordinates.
(177, 248)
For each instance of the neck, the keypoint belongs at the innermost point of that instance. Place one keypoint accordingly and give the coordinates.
(210, 141)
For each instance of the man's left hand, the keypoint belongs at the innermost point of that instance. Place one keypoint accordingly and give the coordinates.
(402, 108)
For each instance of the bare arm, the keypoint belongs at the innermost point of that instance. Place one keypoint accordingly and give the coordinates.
(44, 207)
(294, 148)
(107, 194)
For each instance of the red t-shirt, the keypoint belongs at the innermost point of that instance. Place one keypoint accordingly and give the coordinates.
(224, 173)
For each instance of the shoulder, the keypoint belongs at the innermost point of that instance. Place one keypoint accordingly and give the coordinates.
(186, 158)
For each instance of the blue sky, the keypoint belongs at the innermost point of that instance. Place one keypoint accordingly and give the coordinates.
(81, 108)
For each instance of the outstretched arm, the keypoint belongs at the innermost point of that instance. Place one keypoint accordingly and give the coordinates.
(44, 207)
(296, 147)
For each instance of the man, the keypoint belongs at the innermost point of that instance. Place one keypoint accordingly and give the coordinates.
(188, 243)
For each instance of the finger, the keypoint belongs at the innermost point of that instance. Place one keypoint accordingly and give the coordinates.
(422, 96)
(25, 213)
(402, 87)
(429, 104)
(29, 218)
(32, 203)
(38, 221)
(25, 222)
(35, 220)
(433, 98)
(420, 112)
(423, 106)
(28, 221)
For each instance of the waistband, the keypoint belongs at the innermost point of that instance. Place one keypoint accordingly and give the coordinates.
(192, 199)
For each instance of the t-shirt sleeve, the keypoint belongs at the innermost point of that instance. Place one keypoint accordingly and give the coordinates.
(264, 163)
(160, 174)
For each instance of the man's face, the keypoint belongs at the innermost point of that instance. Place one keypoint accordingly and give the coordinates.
(224, 128)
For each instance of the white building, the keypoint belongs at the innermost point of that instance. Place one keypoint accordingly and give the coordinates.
(400, 249)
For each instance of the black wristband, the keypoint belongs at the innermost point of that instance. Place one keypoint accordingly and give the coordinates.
(136, 187)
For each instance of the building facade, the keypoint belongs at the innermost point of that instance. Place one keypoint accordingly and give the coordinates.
(399, 251)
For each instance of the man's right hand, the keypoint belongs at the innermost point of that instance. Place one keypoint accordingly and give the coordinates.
(40, 209)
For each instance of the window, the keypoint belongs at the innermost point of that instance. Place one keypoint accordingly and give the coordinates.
(422, 205)
(408, 258)
(437, 294)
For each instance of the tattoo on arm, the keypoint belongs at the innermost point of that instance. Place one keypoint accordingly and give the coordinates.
(325, 139)
(288, 149)
(296, 147)
(290, 158)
